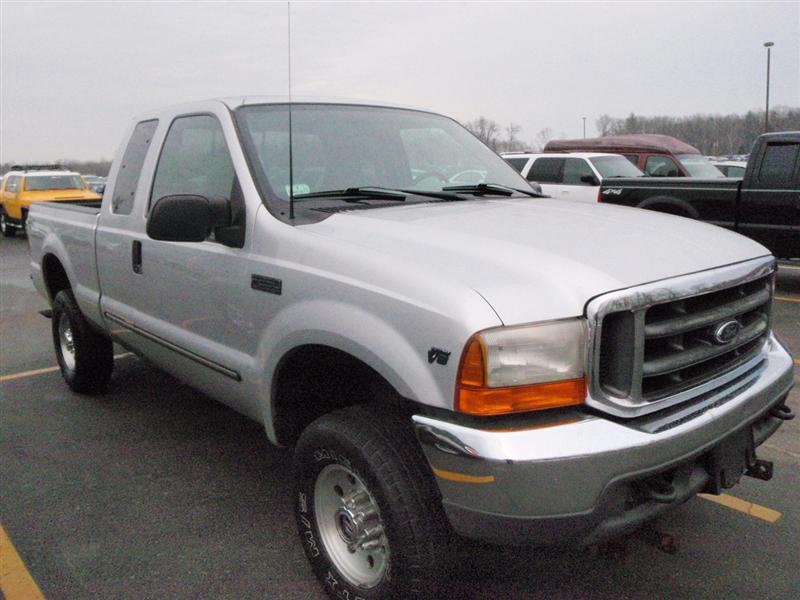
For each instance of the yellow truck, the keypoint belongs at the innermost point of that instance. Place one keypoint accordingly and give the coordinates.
(25, 184)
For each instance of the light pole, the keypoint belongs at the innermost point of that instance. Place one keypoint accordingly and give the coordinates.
(768, 46)
(584, 127)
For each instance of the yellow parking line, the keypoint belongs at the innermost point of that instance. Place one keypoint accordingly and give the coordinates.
(15, 581)
(748, 508)
(45, 370)
(797, 361)
(787, 299)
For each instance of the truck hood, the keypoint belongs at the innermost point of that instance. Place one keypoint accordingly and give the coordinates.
(538, 259)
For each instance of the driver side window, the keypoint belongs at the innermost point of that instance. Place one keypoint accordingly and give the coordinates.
(194, 160)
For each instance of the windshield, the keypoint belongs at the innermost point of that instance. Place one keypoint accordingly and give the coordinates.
(699, 166)
(336, 147)
(615, 166)
(53, 182)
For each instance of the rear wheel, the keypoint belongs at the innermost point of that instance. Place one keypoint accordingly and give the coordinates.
(367, 509)
(86, 358)
(5, 227)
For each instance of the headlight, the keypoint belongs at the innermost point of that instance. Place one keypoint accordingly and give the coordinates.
(530, 367)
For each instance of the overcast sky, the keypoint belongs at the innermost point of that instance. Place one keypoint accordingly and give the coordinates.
(73, 74)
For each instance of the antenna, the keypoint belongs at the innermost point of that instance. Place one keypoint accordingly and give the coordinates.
(289, 54)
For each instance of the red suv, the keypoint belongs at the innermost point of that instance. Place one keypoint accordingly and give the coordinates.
(656, 155)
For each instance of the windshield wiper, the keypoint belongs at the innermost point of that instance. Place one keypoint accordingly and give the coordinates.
(356, 194)
(480, 189)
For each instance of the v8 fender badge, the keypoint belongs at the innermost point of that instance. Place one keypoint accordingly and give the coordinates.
(440, 356)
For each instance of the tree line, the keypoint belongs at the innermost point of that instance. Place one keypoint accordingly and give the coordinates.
(711, 134)
(84, 167)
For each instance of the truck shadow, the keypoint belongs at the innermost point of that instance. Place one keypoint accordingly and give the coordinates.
(225, 471)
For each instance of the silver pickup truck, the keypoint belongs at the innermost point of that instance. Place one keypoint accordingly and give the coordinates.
(446, 350)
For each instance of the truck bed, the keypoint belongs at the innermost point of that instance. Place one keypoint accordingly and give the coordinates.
(70, 228)
(710, 200)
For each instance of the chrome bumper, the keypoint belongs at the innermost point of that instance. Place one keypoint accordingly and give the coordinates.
(572, 482)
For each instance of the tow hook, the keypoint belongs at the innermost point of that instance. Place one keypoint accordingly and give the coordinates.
(760, 469)
(782, 412)
(659, 490)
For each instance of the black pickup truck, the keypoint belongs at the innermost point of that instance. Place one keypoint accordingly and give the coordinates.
(764, 205)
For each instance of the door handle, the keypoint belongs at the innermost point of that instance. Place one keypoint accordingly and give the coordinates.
(136, 256)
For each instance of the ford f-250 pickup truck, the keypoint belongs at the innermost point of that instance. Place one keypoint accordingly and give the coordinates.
(444, 357)
(764, 205)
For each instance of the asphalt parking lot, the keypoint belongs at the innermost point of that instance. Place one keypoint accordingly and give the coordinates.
(155, 491)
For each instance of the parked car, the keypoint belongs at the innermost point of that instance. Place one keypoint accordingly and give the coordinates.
(469, 358)
(764, 205)
(25, 184)
(655, 155)
(576, 176)
(95, 183)
(731, 168)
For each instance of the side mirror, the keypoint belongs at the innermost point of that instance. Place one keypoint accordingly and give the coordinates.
(187, 218)
(589, 179)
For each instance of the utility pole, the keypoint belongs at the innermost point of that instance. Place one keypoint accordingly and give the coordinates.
(768, 46)
(584, 127)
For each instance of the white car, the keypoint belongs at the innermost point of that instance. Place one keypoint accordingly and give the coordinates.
(731, 168)
(573, 176)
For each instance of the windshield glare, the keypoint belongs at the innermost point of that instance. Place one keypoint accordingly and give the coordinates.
(615, 166)
(53, 182)
(336, 147)
(699, 166)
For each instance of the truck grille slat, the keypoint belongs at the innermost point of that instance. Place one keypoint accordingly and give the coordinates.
(680, 359)
(684, 323)
(654, 346)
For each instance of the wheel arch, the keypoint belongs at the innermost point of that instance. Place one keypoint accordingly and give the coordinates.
(54, 275)
(670, 205)
(312, 380)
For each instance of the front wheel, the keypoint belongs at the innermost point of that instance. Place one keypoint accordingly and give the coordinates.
(85, 357)
(5, 227)
(367, 510)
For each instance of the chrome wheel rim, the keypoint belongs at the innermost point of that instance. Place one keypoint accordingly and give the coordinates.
(350, 526)
(66, 341)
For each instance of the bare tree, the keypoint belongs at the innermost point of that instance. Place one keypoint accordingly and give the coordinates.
(485, 130)
(544, 136)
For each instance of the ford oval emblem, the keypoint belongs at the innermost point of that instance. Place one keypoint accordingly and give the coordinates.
(725, 332)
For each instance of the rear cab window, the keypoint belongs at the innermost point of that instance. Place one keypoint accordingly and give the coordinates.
(131, 167)
(778, 165)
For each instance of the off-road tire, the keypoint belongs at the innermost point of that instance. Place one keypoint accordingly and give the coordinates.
(380, 448)
(5, 228)
(93, 355)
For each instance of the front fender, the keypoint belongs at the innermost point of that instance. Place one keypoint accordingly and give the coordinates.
(349, 328)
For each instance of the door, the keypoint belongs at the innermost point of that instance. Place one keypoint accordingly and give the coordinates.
(547, 172)
(578, 181)
(188, 307)
(769, 210)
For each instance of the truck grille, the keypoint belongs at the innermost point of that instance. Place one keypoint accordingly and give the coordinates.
(656, 351)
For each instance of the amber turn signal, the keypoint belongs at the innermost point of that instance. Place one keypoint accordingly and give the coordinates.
(522, 398)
